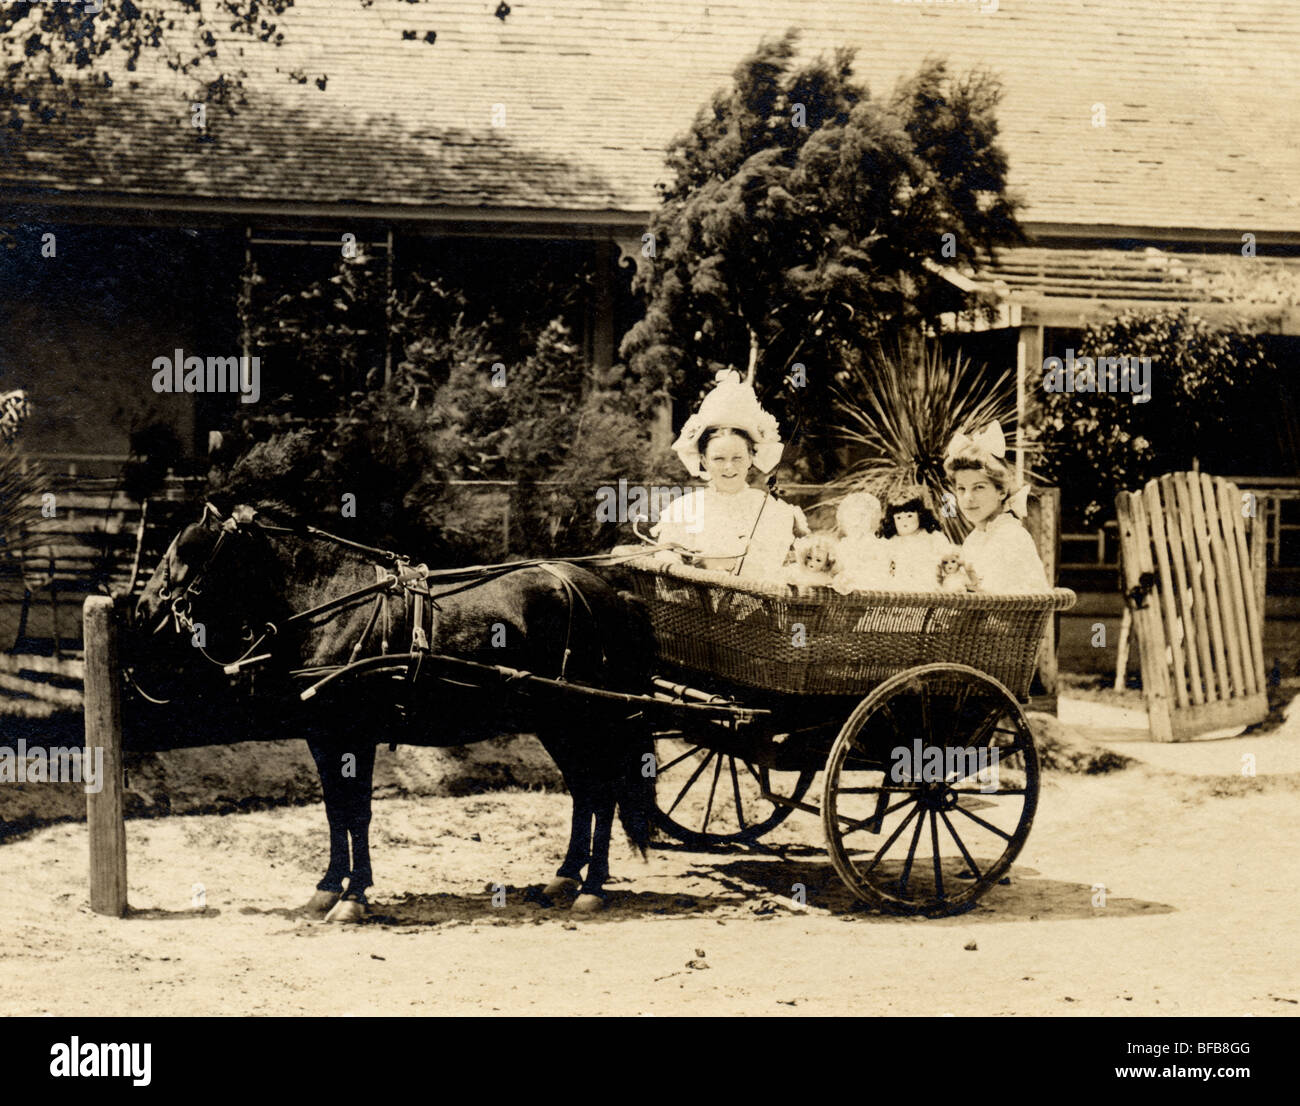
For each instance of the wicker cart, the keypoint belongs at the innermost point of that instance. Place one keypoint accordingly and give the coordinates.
(908, 703)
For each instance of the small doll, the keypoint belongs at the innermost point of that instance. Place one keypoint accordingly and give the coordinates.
(914, 544)
(814, 561)
(954, 574)
(862, 560)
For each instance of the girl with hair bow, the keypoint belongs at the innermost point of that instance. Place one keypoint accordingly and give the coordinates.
(999, 551)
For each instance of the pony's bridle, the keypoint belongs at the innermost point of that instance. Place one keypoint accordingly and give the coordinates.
(178, 604)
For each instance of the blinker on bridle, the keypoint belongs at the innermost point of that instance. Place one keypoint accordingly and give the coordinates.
(179, 604)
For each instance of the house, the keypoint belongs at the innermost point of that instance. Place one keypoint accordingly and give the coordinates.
(506, 134)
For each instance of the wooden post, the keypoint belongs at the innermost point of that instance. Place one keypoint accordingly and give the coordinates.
(1029, 359)
(1121, 651)
(103, 705)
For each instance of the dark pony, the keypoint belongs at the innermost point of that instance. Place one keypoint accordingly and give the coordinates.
(256, 625)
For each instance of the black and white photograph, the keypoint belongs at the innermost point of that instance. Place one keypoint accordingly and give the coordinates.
(650, 508)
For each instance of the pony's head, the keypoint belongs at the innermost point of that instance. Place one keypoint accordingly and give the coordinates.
(213, 594)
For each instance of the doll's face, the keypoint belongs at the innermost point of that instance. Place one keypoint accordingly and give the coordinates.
(726, 463)
(906, 522)
(819, 560)
(859, 520)
(950, 565)
(978, 498)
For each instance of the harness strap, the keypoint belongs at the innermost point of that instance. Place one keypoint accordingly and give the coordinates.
(572, 591)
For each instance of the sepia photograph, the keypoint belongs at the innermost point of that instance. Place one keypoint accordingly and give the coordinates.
(649, 508)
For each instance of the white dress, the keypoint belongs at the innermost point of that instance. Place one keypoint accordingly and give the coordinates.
(717, 525)
(863, 565)
(915, 560)
(1004, 557)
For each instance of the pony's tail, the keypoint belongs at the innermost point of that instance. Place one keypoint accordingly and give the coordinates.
(635, 793)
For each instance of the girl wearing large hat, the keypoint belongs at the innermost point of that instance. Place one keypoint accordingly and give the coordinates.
(731, 525)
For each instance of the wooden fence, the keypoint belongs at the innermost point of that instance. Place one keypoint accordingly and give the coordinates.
(1193, 563)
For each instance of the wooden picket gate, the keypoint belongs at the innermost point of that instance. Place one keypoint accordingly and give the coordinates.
(1193, 578)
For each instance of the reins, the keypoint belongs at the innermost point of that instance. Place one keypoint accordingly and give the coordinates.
(394, 574)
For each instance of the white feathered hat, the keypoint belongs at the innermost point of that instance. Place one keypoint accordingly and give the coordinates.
(731, 404)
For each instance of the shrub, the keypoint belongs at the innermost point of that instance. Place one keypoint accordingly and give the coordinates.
(1206, 385)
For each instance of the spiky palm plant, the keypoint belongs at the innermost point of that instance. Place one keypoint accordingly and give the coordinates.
(898, 409)
(20, 483)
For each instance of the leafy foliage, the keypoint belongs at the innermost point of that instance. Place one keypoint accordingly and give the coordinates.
(534, 432)
(1207, 383)
(899, 412)
(807, 243)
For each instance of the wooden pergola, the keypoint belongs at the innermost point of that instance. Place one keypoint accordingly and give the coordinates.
(1040, 287)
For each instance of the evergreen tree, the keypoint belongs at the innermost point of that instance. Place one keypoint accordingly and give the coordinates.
(805, 222)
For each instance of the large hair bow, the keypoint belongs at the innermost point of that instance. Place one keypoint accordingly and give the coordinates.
(991, 442)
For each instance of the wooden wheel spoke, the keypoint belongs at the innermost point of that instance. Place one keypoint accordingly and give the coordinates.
(985, 729)
(892, 838)
(987, 825)
(735, 790)
(691, 782)
(713, 790)
(965, 853)
(925, 710)
(877, 790)
(934, 848)
(677, 760)
(887, 713)
(911, 855)
(957, 709)
(853, 825)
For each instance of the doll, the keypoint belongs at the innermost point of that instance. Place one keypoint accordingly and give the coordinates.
(954, 575)
(861, 558)
(914, 544)
(814, 561)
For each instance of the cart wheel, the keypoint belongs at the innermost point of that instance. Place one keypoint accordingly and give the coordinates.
(705, 798)
(930, 790)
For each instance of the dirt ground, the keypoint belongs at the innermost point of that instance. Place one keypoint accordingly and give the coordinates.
(1199, 916)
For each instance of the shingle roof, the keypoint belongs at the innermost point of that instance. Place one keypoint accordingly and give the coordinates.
(1028, 273)
(1200, 95)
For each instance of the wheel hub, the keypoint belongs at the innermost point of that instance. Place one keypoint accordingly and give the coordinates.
(938, 796)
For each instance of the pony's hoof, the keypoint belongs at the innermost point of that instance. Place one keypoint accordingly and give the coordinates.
(588, 904)
(561, 887)
(346, 911)
(319, 904)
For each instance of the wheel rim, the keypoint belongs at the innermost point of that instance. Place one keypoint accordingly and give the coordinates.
(930, 790)
(706, 797)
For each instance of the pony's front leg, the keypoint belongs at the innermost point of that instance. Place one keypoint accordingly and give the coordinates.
(358, 789)
(330, 888)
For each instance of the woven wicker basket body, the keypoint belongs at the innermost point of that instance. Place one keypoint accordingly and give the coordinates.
(813, 641)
